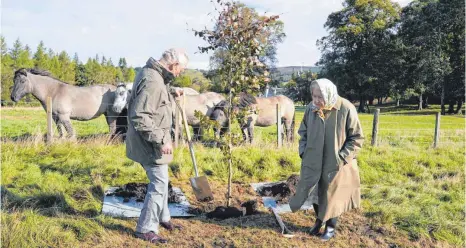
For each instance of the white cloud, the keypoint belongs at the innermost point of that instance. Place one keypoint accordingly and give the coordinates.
(198, 64)
(143, 28)
(84, 30)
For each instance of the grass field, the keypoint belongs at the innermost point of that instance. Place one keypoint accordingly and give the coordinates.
(413, 195)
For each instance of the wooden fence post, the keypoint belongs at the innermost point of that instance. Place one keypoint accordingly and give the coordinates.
(375, 127)
(49, 121)
(437, 130)
(177, 124)
(279, 127)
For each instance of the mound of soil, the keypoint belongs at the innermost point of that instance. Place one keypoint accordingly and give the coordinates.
(173, 197)
(250, 206)
(292, 182)
(206, 199)
(195, 211)
(221, 212)
(139, 190)
(281, 191)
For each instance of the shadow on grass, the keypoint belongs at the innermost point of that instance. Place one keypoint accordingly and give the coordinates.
(55, 205)
(423, 112)
(409, 109)
(109, 139)
(46, 204)
(27, 137)
(24, 137)
(114, 226)
(59, 167)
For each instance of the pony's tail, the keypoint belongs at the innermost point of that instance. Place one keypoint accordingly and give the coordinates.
(293, 126)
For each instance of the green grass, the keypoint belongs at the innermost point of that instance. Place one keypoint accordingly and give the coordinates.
(23, 122)
(52, 195)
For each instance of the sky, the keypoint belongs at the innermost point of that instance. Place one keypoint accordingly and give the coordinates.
(140, 29)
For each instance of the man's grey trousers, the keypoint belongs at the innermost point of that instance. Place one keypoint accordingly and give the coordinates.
(155, 208)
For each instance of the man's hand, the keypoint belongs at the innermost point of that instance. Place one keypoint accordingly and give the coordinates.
(178, 91)
(167, 148)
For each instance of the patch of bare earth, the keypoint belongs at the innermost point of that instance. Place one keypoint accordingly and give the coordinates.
(261, 230)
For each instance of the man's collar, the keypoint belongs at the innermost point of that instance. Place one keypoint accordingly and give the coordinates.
(153, 64)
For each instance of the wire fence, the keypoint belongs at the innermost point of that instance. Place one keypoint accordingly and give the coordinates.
(26, 121)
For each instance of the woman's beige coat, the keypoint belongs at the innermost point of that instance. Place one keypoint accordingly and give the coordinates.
(329, 171)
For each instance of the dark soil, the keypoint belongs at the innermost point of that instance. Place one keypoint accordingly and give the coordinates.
(207, 199)
(221, 212)
(139, 190)
(129, 190)
(195, 211)
(354, 229)
(282, 191)
(250, 206)
(292, 182)
(173, 197)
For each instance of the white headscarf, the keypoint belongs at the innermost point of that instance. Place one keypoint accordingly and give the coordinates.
(329, 92)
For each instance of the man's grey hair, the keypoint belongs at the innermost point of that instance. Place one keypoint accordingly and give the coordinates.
(175, 55)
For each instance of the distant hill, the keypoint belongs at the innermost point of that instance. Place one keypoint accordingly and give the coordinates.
(290, 69)
(284, 73)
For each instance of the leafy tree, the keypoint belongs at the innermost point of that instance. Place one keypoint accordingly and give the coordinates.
(298, 88)
(66, 68)
(122, 63)
(54, 66)
(21, 56)
(119, 75)
(81, 75)
(15, 53)
(268, 38)
(130, 74)
(40, 57)
(104, 61)
(453, 25)
(76, 59)
(94, 71)
(351, 53)
(7, 69)
(193, 79)
(240, 69)
(427, 62)
(183, 81)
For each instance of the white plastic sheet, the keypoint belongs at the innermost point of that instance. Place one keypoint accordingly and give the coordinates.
(272, 202)
(114, 205)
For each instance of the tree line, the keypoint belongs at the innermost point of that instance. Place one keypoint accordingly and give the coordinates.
(97, 70)
(375, 49)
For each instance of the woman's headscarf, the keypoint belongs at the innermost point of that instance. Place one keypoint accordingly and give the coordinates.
(329, 93)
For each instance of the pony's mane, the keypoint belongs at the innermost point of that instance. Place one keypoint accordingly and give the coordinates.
(38, 72)
(246, 100)
(223, 105)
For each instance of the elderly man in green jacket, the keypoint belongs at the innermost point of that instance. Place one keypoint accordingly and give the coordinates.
(148, 140)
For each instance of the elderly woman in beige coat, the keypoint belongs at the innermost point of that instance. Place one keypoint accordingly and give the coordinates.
(331, 136)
